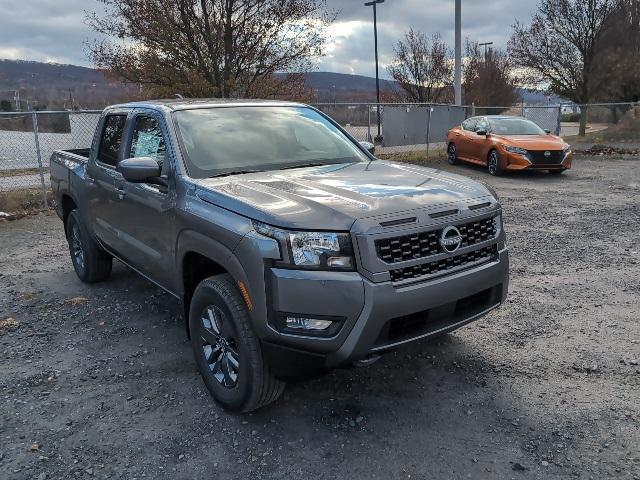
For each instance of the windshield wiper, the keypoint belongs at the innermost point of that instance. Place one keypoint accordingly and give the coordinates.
(235, 172)
(305, 165)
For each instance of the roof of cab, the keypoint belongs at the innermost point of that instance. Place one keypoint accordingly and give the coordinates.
(193, 103)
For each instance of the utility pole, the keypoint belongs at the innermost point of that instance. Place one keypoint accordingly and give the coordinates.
(485, 45)
(374, 4)
(458, 54)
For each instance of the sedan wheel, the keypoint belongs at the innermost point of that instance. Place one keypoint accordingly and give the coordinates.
(452, 154)
(493, 164)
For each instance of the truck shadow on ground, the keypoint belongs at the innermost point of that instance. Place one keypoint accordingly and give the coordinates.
(431, 402)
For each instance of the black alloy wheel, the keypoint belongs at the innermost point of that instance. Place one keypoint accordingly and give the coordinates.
(219, 346)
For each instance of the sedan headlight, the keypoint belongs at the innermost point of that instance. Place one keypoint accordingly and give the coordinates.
(518, 150)
(313, 250)
(566, 148)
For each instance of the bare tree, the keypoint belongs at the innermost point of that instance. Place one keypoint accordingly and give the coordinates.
(489, 78)
(422, 67)
(211, 48)
(559, 47)
(618, 68)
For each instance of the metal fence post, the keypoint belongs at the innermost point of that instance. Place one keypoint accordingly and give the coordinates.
(559, 129)
(369, 139)
(34, 117)
(430, 109)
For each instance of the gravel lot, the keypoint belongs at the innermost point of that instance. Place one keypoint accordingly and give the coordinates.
(100, 382)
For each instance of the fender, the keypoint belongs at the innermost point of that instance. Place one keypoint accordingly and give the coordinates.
(193, 241)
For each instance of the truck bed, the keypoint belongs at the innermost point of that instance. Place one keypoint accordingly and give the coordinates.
(67, 170)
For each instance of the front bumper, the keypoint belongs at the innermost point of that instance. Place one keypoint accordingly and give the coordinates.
(515, 161)
(377, 316)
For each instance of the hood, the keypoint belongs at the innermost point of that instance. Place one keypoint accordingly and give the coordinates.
(533, 142)
(333, 197)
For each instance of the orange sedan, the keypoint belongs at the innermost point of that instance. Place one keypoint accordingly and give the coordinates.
(507, 143)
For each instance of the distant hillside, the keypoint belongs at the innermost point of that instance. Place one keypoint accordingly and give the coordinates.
(57, 86)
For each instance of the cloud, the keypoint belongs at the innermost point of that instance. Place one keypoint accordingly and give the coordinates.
(54, 30)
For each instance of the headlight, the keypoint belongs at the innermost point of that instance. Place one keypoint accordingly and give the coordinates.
(510, 149)
(315, 250)
(566, 148)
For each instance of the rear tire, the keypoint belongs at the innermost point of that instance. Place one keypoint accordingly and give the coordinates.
(452, 154)
(227, 351)
(91, 263)
(493, 163)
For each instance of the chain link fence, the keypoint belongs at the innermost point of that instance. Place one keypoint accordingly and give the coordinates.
(27, 139)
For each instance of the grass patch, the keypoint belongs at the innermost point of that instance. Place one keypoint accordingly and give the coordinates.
(22, 171)
(417, 157)
(18, 203)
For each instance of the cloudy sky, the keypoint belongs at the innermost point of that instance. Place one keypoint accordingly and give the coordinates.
(53, 30)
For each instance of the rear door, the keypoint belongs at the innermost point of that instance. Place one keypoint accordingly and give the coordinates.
(102, 197)
(464, 140)
(146, 222)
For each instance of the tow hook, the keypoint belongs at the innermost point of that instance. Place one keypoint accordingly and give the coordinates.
(368, 360)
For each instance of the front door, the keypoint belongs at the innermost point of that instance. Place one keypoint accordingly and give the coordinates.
(147, 219)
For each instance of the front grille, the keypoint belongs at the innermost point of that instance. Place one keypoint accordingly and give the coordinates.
(427, 244)
(439, 266)
(539, 158)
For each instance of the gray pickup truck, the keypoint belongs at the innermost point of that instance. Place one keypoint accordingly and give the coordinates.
(291, 246)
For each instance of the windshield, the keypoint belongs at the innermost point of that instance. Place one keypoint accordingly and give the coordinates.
(514, 126)
(239, 139)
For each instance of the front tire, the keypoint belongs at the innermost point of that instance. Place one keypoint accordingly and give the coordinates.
(452, 154)
(493, 163)
(91, 263)
(227, 351)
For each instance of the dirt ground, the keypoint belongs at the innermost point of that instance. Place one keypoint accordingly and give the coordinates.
(99, 381)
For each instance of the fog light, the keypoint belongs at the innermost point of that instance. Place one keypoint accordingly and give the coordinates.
(303, 323)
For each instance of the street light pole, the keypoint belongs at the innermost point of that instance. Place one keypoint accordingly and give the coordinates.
(374, 4)
(457, 83)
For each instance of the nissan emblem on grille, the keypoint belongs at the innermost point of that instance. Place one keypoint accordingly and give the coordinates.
(451, 239)
(547, 153)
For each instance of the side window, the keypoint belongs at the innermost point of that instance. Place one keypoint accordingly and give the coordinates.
(482, 125)
(469, 125)
(111, 139)
(148, 140)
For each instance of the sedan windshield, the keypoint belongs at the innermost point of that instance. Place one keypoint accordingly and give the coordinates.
(514, 126)
(224, 140)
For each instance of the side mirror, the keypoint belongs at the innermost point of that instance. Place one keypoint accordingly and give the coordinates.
(139, 169)
(548, 132)
(369, 147)
(484, 133)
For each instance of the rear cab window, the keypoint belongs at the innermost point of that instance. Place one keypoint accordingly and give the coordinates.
(111, 139)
